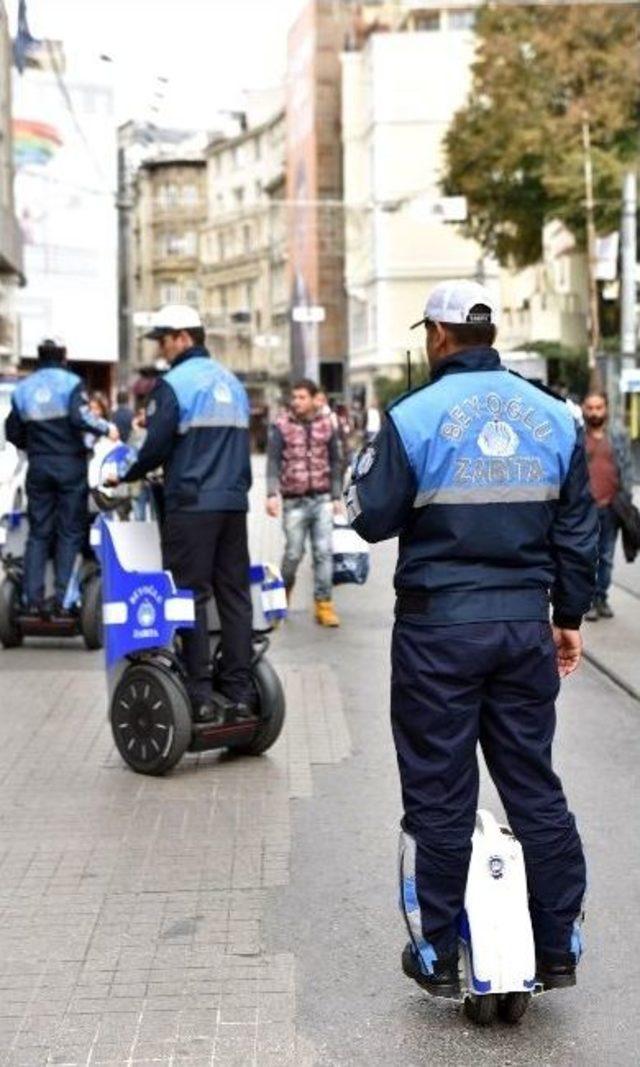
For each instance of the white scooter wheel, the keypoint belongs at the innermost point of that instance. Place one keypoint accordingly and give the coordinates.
(150, 718)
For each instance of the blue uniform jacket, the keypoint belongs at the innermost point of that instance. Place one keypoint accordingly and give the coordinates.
(50, 413)
(483, 477)
(198, 430)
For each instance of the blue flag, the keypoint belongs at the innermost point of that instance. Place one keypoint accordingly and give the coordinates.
(24, 43)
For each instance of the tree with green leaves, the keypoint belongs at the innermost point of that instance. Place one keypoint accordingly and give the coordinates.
(516, 149)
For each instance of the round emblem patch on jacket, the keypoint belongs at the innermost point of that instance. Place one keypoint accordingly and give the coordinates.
(364, 462)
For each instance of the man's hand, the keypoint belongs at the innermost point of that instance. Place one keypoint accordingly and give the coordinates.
(273, 506)
(114, 433)
(569, 649)
(339, 508)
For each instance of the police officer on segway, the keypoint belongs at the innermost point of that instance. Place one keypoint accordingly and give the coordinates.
(49, 415)
(198, 431)
(483, 477)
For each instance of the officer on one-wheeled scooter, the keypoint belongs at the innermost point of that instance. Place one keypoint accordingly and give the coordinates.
(198, 430)
(49, 415)
(484, 478)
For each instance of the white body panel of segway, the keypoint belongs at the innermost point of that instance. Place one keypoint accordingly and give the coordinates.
(498, 946)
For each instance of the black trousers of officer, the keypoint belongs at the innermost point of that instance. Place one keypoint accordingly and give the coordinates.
(207, 552)
(495, 683)
(57, 512)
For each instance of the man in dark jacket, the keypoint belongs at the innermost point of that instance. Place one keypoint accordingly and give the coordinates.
(198, 431)
(123, 416)
(50, 413)
(483, 477)
(610, 472)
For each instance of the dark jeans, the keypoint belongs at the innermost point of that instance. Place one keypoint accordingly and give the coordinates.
(607, 534)
(207, 552)
(57, 511)
(494, 683)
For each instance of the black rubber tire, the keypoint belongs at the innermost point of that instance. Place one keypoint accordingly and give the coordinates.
(271, 695)
(162, 731)
(10, 633)
(481, 1010)
(91, 612)
(513, 1006)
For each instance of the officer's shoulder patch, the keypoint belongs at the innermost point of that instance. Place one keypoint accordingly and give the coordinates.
(537, 384)
(364, 461)
(406, 395)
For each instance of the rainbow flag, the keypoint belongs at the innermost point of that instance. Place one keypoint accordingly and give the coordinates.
(34, 142)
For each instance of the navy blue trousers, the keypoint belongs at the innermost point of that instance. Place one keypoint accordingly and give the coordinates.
(495, 683)
(57, 511)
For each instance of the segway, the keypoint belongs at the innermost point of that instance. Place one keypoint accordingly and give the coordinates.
(497, 951)
(149, 708)
(82, 605)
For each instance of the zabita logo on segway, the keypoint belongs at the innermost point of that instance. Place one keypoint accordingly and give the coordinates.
(146, 602)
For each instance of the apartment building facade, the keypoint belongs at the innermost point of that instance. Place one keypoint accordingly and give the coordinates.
(243, 255)
(11, 260)
(170, 207)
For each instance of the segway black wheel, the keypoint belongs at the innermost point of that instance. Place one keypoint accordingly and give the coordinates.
(481, 1010)
(91, 612)
(271, 702)
(513, 1006)
(150, 719)
(10, 632)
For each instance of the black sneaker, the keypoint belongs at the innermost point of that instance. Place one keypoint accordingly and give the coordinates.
(604, 609)
(557, 973)
(444, 982)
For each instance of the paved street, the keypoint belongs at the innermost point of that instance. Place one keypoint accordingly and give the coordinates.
(243, 911)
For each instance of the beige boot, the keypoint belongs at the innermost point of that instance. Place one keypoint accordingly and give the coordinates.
(325, 613)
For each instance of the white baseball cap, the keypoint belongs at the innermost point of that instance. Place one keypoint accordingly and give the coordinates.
(459, 302)
(173, 317)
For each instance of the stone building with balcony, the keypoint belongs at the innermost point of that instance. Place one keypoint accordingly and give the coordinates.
(169, 210)
(243, 253)
(11, 264)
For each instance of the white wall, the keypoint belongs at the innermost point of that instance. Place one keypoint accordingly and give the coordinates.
(66, 206)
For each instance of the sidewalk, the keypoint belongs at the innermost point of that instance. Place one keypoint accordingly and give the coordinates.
(612, 644)
(133, 908)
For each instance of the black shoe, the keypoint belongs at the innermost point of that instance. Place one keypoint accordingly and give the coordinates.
(444, 982)
(592, 614)
(556, 974)
(234, 710)
(603, 609)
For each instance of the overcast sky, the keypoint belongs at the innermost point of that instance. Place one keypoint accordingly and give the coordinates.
(211, 50)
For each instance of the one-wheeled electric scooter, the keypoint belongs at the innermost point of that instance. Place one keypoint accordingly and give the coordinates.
(149, 708)
(497, 951)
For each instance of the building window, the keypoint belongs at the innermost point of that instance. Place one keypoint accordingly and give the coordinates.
(238, 197)
(170, 292)
(246, 238)
(258, 148)
(221, 246)
(190, 194)
(463, 19)
(427, 21)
